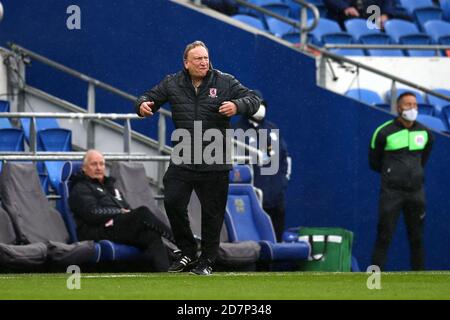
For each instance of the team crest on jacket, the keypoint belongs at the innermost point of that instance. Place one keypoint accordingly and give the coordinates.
(420, 140)
(213, 92)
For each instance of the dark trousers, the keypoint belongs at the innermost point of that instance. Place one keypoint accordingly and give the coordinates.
(277, 214)
(392, 203)
(141, 228)
(212, 190)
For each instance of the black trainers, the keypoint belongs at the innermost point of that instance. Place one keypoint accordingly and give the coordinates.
(203, 268)
(181, 264)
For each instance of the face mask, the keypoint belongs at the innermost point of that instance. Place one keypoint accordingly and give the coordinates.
(410, 115)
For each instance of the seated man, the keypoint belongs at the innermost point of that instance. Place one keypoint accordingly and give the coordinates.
(341, 10)
(101, 213)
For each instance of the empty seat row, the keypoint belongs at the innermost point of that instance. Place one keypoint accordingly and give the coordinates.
(49, 137)
(431, 31)
(433, 111)
(285, 8)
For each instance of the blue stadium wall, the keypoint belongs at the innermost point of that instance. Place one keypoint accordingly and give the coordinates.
(132, 44)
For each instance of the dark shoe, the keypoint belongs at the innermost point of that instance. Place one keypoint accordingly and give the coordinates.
(181, 264)
(203, 268)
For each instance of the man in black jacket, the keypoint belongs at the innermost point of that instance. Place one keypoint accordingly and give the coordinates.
(101, 212)
(341, 10)
(398, 151)
(202, 99)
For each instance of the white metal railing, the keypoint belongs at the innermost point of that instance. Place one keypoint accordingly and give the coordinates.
(426, 47)
(81, 116)
(325, 55)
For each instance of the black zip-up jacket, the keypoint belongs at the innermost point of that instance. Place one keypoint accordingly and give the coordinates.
(93, 204)
(187, 106)
(399, 154)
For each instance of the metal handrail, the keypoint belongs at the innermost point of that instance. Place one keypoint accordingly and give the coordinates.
(92, 81)
(71, 115)
(75, 115)
(74, 156)
(394, 78)
(315, 12)
(302, 25)
(68, 156)
(388, 46)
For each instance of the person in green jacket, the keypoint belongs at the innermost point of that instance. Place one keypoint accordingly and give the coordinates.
(399, 150)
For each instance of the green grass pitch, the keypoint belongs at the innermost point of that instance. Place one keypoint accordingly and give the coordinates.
(227, 286)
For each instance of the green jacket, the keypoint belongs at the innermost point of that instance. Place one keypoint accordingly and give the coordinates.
(400, 154)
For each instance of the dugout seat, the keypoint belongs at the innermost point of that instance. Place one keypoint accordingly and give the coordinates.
(246, 220)
(110, 251)
(35, 220)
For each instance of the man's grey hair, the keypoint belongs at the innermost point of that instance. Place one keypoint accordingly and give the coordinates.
(87, 155)
(193, 45)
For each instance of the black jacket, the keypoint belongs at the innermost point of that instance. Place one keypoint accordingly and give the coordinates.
(336, 7)
(273, 186)
(400, 154)
(93, 204)
(187, 106)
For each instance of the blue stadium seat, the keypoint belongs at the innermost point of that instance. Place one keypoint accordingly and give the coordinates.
(279, 8)
(438, 102)
(439, 31)
(12, 139)
(432, 122)
(296, 7)
(110, 251)
(365, 95)
(246, 220)
(383, 106)
(405, 32)
(41, 124)
(5, 123)
(445, 6)
(424, 15)
(412, 5)
(419, 97)
(445, 113)
(328, 31)
(349, 52)
(292, 37)
(43, 176)
(250, 20)
(4, 106)
(279, 28)
(425, 108)
(361, 33)
(422, 11)
(55, 139)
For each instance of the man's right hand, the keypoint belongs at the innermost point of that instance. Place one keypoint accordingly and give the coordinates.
(351, 12)
(145, 109)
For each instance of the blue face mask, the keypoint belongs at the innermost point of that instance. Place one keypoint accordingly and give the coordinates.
(410, 115)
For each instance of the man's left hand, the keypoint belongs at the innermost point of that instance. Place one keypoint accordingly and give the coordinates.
(228, 108)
